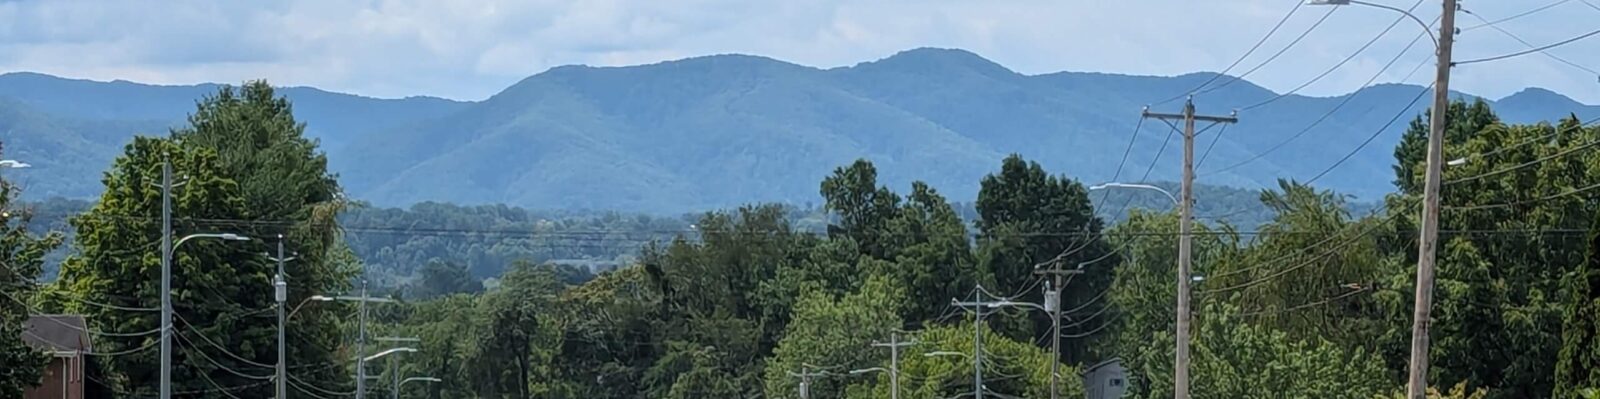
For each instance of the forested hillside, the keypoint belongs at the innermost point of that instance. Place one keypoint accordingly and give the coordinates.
(718, 132)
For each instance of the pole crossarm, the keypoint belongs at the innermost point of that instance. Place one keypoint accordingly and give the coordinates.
(1185, 201)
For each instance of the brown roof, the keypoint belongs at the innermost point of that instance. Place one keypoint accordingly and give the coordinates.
(62, 333)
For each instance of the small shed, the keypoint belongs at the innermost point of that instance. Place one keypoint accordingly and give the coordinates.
(1105, 380)
(66, 339)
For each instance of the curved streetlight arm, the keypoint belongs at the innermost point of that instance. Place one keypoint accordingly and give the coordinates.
(1425, 27)
(944, 353)
(1000, 304)
(224, 236)
(1174, 198)
(387, 353)
(423, 379)
(318, 298)
(868, 370)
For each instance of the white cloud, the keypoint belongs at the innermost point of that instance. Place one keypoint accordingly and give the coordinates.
(471, 49)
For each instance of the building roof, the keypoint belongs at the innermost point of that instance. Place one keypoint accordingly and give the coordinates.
(1108, 362)
(59, 333)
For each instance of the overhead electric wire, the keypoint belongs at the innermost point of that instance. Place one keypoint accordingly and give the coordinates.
(1374, 135)
(1125, 153)
(1487, 23)
(1369, 229)
(219, 388)
(1214, 139)
(1274, 56)
(1341, 104)
(1524, 164)
(1297, 5)
(185, 342)
(241, 359)
(1097, 330)
(1539, 139)
(1539, 49)
(1303, 306)
(1521, 203)
(1341, 63)
(1336, 107)
(1514, 36)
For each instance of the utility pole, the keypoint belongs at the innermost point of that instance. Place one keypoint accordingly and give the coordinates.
(361, 340)
(1052, 304)
(894, 346)
(1417, 384)
(805, 375)
(394, 369)
(1185, 214)
(281, 294)
(977, 335)
(166, 278)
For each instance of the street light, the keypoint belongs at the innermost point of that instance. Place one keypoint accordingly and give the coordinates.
(167, 249)
(1427, 243)
(422, 379)
(1425, 26)
(387, 353)
(14, 164)
(1136, 186)
(944, 354)
(868, 370)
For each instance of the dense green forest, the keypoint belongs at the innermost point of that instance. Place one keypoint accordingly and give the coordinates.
(395, 245)
(1312, 301)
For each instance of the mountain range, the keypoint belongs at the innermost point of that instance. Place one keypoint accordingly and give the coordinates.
(724, 130)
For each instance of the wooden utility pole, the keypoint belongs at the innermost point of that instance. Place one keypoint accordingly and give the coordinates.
(1427, 247)
(805, 375)
(894, 346)
(1185, 214)
(1052, 303)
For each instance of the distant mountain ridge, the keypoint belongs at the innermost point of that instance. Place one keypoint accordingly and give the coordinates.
(717, 131)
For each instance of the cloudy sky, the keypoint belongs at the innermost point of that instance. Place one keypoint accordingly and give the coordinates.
(471, 49)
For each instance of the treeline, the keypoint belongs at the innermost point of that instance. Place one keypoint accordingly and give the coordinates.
(1314, 302)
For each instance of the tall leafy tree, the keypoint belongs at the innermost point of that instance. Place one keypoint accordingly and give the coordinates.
(834, 332)
(282, 177)
(1029, 218)
(1014, 368)
(219, 290)
(1579, 364)
(514, 316)
(21, 262)
(863, 207)
(1517, 178)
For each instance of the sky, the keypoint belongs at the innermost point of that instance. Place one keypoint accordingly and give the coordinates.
(469, 50)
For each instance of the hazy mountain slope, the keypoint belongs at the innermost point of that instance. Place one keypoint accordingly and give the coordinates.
(331, 117)
(725, 130)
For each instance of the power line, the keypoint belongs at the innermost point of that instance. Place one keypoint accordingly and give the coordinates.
(1521, 203)
(1217, 137)
(185, 342)
(1274, 56)
(1487, 23)
(1374, 135)
(1528, 51)
(241, 359)
(1341, 63)
(1336, 107)
(1513, 36)
(1324, 301)
(1525, 164)
(1543, 138)
(1297, 5)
